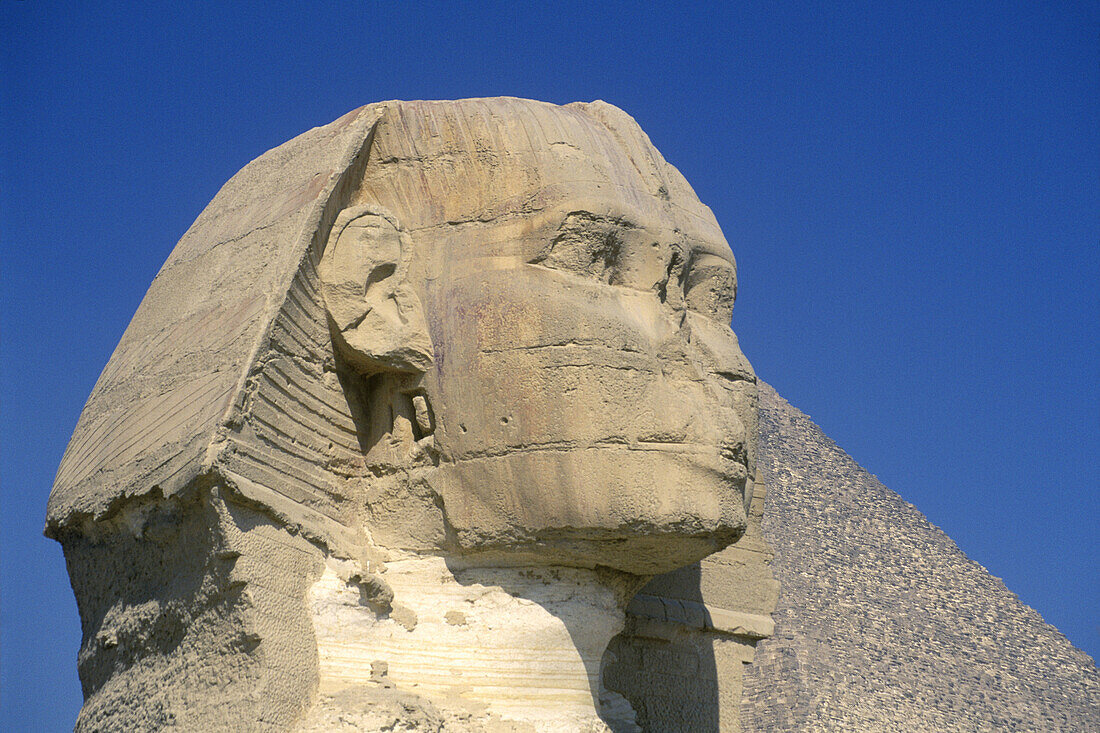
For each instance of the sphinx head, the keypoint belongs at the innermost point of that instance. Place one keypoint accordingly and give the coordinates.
(486, 342)
(536, 308)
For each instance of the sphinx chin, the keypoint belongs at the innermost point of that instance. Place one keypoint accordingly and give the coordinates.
(636, 509)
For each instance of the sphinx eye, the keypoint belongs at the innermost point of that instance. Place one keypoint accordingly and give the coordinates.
(710, 287)
(586, 244)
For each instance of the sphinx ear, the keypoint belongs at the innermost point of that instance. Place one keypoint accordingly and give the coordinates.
(376, 318)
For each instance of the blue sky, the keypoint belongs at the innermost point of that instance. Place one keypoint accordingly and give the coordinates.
(912, 191)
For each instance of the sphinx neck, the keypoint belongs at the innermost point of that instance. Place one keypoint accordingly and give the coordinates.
(522, 644)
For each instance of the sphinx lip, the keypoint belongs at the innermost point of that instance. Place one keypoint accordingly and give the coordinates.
(727, 452)
(726, 456)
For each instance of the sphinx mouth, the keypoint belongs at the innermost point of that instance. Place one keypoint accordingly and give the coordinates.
(728, 459)
(730, 451)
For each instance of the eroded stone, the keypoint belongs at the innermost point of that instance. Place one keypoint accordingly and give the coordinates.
(469, 363)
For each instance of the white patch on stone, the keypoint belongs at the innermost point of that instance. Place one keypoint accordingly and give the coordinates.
(528, 649)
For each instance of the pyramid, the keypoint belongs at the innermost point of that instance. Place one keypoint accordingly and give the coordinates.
(883, 623)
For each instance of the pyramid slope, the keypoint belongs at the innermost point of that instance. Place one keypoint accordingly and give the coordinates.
(883, 623)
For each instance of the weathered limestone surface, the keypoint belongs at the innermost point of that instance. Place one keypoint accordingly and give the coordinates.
(177, 377)
(411, 412)
(883, 624)
(501, 645)
(433, 420)
(691, 633)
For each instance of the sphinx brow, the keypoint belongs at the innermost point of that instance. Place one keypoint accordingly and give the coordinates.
(709, 258)
(712, 254)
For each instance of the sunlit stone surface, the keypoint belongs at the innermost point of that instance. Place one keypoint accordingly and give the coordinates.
(434, 421)
(413, 410)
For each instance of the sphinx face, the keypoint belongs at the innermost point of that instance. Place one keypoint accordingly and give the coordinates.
(591, 403)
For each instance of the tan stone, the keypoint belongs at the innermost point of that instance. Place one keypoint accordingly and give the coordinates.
(472, 362)
(420, 402)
